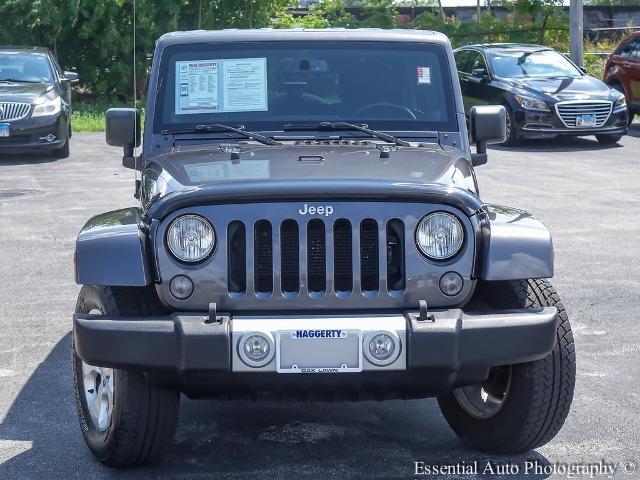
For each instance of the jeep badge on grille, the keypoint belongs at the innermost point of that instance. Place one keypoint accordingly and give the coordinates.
(325, 210)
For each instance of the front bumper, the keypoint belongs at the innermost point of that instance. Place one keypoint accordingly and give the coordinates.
(31, 134)
(200, 357)
(535, 124)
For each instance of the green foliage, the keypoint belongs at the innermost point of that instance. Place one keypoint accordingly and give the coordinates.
(95, 37)
(88, 113)
(321, 15)
(530, 21)
(379, 13)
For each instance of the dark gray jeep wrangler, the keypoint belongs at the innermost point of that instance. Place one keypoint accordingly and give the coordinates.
(310, 227)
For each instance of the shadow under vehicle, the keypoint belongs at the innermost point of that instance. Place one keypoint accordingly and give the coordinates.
(35, 102)
(310, 227)
(544, 93)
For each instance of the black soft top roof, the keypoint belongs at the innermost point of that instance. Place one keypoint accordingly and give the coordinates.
(301, 34)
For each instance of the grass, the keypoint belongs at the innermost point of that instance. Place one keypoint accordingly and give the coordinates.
(89, 114)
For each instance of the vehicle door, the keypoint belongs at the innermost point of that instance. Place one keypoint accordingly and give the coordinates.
(631, 69)
(463, 61)
(477, 81)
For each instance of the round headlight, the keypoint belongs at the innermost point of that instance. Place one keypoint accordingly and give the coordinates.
(439, 235)
(190, 238)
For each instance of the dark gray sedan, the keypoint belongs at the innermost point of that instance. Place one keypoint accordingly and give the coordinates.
(35, 101)
(545, 94)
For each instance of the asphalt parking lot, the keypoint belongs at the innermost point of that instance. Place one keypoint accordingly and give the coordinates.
(586, 194)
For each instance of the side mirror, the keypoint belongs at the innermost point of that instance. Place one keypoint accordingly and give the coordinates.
(123, 130)
(480, 74)
(583, 70)
(488, 124)
(71, 76)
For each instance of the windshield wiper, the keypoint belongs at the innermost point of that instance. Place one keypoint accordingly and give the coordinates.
(219, 127)
(349, 126)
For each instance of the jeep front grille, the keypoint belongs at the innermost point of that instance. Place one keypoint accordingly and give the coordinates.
(568, 111)
(10, 111)
(319, 244)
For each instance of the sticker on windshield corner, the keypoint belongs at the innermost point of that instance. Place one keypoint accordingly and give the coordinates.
(424, 75)
(219, 86)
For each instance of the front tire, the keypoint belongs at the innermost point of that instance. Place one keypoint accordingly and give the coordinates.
(519, 407)
(512, 139)
(124, 420)
(608, 139)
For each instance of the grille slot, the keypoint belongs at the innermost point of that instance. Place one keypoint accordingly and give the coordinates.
(343, 262)
(267, 257)
(263, 257)
(316, 256)
(569, 111)
(290, 256)
(369, 267)
(10, 111)
(237, 257)
(395, 255)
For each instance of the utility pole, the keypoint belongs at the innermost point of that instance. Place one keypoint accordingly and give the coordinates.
(576, 32)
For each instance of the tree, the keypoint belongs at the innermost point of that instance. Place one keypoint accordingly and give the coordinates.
(379, 13)
(40, 22)
(329, 13)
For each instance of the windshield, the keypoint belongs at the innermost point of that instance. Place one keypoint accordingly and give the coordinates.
(25, 67)
(540, 63)
(264, 86)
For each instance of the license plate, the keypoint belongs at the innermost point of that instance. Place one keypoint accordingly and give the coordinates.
(319, 351)
(586, 121)
(5, 129)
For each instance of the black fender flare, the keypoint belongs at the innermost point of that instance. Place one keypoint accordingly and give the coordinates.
(112, 249)
(515, 245)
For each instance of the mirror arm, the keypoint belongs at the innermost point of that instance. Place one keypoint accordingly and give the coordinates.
(480, 157)
(130, 160)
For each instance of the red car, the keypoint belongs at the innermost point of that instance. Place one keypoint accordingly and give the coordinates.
(622, 71)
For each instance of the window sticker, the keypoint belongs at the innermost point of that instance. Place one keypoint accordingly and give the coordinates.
(227, 170)
(219, 86)
(424, 75)
(197, 86)
(245, 85)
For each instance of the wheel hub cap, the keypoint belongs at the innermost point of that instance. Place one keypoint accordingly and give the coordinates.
(486, 399)
(98, 389)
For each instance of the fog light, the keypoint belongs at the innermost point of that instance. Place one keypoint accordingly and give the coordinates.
(51, 137)
(451, 284)
(381, 348)
(181, 287)
(256, 349)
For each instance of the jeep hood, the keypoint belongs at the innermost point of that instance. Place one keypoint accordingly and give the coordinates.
(212, 173)
(201, 166)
